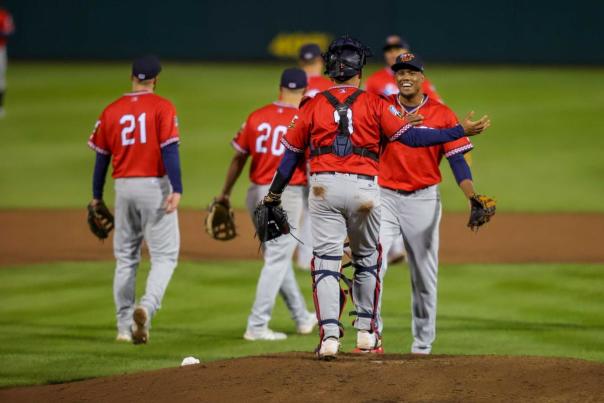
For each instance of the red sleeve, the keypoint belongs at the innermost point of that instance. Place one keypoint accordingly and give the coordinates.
(298, 132)
(241, 141)
(462, 145)
(98, 139)
(392, 122)
(167, 125)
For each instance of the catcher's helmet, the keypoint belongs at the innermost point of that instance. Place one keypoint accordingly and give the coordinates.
(345, 58)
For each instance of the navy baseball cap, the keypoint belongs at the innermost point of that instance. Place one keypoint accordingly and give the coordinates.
(309, 51)
(293, 78)
(146, 68)
(408, 61)
(395, 41)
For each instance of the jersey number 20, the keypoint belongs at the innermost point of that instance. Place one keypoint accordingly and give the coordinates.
(265, 133)
(130, 125)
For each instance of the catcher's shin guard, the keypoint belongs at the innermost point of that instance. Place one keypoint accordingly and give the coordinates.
(366, 289)
(325, 270)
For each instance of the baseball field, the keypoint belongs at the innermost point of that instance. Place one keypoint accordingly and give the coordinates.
(521, 302)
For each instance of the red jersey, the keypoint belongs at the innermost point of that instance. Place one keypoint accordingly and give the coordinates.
(317, 125)
(408, 168)
(260, 136)
(317, 84)
(382, 82)
(133, 130)
(7, 26)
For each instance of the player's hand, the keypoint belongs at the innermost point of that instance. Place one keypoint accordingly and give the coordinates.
(414, 119)
(472, 128)
(223, 199)
(172, 202)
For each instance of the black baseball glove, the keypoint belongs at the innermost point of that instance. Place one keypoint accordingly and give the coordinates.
(100, 219)
(220, 221)
(483, 208)
(270, 219)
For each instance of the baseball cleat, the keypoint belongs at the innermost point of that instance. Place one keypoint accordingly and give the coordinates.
(368, 343)
(329, 349)
(421, 350)
(124, 337)
(308, 325)
(140, 329)
(264, 334)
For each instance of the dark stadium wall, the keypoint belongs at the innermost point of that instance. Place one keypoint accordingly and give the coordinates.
(467, 31)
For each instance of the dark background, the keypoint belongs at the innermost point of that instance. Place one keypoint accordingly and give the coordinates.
(468, 31)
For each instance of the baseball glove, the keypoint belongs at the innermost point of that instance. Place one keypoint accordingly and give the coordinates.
(100, 219)
(220, 222)
(483, 208)
(270, 219)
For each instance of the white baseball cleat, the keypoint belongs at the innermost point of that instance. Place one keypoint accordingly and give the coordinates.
(124, 337)
(368, 343)
(308, 325)
(140, 328)
(264, 334)
(329, 349)
(365, 340)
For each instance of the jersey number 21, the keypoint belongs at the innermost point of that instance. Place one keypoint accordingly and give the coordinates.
(129, 123)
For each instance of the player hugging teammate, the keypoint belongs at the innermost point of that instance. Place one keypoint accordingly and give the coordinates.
(340, 128)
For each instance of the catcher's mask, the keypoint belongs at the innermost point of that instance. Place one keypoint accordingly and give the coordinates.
(345, 58)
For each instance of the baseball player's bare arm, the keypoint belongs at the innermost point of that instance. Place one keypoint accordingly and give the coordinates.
(233, 173)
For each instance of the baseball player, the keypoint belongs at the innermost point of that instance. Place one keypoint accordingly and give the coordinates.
(7, 27)
(342, 127)
(139, 132)
(311, 62)
(260, 137)
(382, 82)
(411, 207)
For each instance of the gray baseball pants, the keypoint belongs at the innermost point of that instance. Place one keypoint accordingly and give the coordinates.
(139, 215)
(415, 216)
(345, 205)
(277, 275)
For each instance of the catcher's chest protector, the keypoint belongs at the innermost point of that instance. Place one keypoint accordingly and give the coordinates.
(342, 145)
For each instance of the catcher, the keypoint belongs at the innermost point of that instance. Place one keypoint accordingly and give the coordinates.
(260, 138)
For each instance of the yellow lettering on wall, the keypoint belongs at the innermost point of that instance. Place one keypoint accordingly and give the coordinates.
(287, 44)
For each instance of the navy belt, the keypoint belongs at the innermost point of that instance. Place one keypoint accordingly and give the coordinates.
(360, 176)
(405, 192)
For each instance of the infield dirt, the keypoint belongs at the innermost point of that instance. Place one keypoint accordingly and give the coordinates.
(299, 377)
(37, 236)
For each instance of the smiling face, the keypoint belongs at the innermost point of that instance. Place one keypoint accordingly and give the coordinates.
(409, 82)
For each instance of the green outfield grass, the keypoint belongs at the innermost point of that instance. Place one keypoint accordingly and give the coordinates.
(57, 319)
(542, 154)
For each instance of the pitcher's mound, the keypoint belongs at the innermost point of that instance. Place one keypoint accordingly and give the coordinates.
(299, 377)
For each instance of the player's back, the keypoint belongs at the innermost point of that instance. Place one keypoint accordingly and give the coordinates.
(133, 129)
(364, 127)
(260, 137)
(412, 168)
